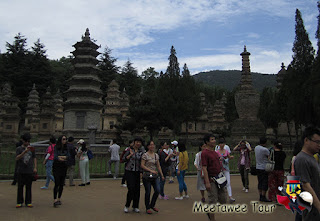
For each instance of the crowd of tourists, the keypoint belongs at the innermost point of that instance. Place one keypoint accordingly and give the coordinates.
(146, 165)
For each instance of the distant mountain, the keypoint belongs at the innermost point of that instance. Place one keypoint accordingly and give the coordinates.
(231, 79)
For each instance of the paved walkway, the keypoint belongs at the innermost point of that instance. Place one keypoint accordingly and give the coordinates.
(104, 200)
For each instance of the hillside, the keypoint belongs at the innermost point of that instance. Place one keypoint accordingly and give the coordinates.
(230, 79)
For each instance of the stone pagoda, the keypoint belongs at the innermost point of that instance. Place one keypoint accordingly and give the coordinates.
(247, 102)
(281, 75)
(218, 113)
(112, 110)
(47, 115)
(83, 105)
(58, 117)
(10, 116)
(32, 119)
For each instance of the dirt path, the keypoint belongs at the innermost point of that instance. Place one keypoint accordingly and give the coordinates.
(104, 200)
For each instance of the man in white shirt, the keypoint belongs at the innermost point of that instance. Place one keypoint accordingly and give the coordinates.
(114, 150)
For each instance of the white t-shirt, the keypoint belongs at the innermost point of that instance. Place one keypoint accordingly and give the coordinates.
(226, 147)
(114, 149)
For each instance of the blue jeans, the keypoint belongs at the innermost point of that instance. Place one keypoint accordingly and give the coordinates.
(162, 182)
(156, 187)
(48, 172)
(182, 184)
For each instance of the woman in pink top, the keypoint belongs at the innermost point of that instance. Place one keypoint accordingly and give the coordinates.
(48, 161)
(244, 162)
(224, 158)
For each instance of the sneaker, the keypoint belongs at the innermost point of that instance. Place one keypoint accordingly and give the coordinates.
(232, 200)
(55, 204)
(136, 210)
(149, 211)
(243, 188)
(247, 191)
(155, 209)
(114, 178)
(171, 181)
(161, 197)
(29, 205)
(203, 200)
(186, 196)
(82, 184)
(59, 202)
(141, 184)
(44, 188)
(165, 197)
(126, 209)
(179, 197)
(124, 185)
(88, 183)
(19, 205)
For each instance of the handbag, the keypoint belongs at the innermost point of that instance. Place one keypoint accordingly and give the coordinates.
(35, 177)
(270, 164)
(221, 180)
(90, 154)
(148, 175)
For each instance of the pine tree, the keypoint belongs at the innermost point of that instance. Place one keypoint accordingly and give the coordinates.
(297, 80)
(315, 79)
(130, 80)
(173, 69)
(303, 52)
(109, 69)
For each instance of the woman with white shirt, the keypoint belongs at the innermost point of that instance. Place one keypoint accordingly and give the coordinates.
(83, 163)
(200, 181)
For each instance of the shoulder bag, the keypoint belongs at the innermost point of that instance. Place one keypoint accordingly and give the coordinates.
(221, 180)
(270, 164)
(148, 175)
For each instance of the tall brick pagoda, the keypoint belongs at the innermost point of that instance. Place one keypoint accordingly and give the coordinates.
(83, 106)
(247, 101)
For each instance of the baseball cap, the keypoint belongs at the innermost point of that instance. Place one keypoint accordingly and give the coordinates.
(174, 142)
(81, 141)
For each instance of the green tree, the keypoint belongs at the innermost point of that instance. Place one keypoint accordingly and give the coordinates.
(149, 73)
(315, 79)
(173, 69)
(109, 69)
(295, 85)
(130, 80)
(268, 112)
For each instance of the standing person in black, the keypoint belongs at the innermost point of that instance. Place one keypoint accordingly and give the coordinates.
(71, 160)
(164, 159)
(133, 161)
(27, 166)
(15, 178)
(60, 167)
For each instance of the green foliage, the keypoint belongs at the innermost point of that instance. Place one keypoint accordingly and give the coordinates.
(231, 79)
(109, 70)
(173, 69)
(268, 112)
(130, 80)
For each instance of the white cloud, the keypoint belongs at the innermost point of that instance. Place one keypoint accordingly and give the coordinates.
(124, 24)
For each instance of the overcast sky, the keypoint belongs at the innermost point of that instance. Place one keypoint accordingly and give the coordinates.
(207, 34)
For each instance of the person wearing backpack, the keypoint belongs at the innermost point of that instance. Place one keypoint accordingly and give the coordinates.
(276, 177)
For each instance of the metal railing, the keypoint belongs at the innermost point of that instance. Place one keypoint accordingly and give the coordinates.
(98, 165)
